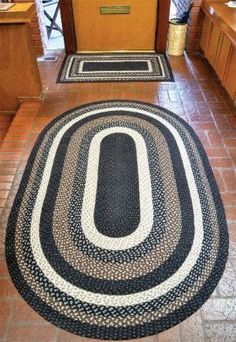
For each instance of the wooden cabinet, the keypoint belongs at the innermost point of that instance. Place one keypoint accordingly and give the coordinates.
(19, 75)
(229, 81)
(219, 46)
(213, 44)
(222, 56)
(206, 27)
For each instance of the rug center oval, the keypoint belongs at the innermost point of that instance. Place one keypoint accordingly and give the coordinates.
(117, 208)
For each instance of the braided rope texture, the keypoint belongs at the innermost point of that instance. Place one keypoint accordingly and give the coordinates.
(117, 230)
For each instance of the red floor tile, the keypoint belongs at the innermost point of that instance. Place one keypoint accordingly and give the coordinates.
(198, 97)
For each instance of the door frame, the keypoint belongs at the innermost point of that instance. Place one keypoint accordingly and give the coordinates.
(68, 24)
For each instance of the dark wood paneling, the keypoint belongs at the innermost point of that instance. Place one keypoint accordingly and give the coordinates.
(163, 13)
(67, 18)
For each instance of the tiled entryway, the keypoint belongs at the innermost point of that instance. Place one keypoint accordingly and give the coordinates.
(5, 122)
(196, 96)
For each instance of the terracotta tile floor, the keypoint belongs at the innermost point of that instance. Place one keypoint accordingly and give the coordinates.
(196, 96)
(5, 122)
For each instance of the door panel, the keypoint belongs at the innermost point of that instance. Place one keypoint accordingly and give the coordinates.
(115, 32)
(223, 56)
(206, 27)
(230, 74)
(213, 44)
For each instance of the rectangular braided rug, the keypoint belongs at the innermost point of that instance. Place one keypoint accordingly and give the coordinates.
(115, 68)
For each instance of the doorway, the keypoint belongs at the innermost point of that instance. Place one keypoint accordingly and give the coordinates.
(68, 22)
(102, 25)
(53, 24)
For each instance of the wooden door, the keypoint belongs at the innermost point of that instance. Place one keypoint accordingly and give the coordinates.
(134, 31)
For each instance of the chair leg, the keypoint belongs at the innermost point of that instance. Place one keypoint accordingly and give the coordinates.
(53, 24)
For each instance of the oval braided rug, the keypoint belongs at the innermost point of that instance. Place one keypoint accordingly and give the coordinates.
(118, 230)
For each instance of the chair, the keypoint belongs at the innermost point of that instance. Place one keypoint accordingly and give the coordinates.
(53, 25)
